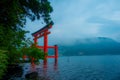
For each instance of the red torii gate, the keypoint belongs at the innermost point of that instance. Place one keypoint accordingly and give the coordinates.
(44, 33)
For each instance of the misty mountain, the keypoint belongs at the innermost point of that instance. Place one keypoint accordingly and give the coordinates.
(90, 46)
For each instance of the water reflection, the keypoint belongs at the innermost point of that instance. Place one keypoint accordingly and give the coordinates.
(84, 68)
(42, 69)
(33, 67)
(77, 68)
(55, 66)
(45, 65)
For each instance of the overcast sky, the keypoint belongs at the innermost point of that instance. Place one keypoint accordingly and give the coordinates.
(76, 19)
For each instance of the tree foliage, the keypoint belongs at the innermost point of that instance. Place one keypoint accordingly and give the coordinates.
(32, 53)
(13, 14)
(30, 50)
(3, 62)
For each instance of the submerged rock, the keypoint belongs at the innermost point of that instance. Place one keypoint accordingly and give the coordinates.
(13, 70)
(35, 76)
(32, 75)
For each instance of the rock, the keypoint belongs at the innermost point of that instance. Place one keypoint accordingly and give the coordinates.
(32, 75)
(13, 70)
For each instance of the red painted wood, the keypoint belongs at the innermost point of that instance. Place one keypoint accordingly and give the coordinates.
(56, 51)
(50, 56)
(45, 42)
(51, 46)
(41, 47)
(35, 40)
(44, 32)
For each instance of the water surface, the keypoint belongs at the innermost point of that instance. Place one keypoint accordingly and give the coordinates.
(80, 68)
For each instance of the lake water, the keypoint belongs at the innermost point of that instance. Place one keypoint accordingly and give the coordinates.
(79, 68)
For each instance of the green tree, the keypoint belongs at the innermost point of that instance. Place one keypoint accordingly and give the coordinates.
(3, 62)
(13, 14)
(30, 50)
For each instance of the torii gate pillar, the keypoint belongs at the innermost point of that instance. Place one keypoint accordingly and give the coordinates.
(45, 42)
(44, 33)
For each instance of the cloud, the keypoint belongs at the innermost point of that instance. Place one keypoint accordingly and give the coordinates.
(76, 19)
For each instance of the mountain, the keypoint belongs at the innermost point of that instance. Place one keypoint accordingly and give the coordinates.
(90, 46)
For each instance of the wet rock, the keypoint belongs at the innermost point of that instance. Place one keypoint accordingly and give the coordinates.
(13, 70)
(32, 76)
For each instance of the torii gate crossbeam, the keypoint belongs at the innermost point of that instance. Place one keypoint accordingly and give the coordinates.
(44, 32)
